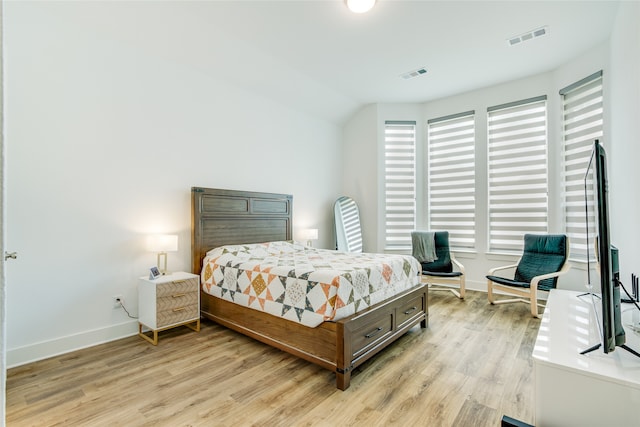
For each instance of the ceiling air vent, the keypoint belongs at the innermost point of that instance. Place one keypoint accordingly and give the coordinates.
(414, 73)
(529, 35)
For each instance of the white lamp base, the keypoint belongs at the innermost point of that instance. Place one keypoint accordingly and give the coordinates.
(163, 269)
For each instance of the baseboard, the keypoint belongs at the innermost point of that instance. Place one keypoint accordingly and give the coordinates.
(472, 285)
(46, 349)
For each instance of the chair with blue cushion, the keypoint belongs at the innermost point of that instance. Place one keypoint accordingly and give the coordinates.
(440, 271)
(543, 260)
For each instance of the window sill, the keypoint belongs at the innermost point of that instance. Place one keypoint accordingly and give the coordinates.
(465, 254)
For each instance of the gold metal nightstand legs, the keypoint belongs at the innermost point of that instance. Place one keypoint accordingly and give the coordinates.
(153, 339)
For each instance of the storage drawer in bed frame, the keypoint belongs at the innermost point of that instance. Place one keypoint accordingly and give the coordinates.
(371, 332)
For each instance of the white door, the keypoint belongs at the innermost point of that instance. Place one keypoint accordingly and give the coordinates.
(3, 328)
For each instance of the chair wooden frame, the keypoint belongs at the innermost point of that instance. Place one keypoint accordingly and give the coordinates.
(525, 295)
(434, 281)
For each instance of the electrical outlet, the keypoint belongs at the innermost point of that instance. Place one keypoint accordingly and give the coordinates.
(117, 299)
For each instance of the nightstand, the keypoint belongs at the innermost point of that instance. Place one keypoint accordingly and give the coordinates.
(168, 301)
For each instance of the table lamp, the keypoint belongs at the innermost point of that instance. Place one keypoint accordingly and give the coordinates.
(162, 243)
(309, 234)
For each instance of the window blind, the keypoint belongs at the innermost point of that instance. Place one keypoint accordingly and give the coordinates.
(582, 123)
(400, 183)
(517, 172)
(451, 177)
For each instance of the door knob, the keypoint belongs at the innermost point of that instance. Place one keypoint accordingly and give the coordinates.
(10, 255)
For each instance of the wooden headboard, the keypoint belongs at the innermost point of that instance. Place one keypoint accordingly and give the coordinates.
(229, 217)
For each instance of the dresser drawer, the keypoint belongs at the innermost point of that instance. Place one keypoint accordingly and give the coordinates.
(407, 310)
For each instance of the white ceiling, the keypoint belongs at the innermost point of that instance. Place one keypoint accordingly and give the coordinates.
(319, 57)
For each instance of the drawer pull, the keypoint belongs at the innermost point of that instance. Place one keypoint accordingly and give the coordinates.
(178, 295)
(374, 333)
(179, 309)
(411, 310)
(178, 281)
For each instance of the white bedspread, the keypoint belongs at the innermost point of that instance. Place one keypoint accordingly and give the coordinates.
(304, 284)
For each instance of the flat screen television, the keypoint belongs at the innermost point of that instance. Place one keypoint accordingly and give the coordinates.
(597, 215)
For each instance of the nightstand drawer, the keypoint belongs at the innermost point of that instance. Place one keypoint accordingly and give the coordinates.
(177, 314)
(177, 287)
(176, 300)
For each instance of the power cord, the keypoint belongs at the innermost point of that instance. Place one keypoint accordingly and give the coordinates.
(125, 308)
(631, 298)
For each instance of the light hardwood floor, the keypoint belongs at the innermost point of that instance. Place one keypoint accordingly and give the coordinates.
(471, 366)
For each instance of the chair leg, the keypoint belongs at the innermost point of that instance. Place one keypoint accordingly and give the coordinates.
(433, 287)
(490, 292)
(532, 299)
(534, 305)
(443, 287)
(453, 291)
(534, 310)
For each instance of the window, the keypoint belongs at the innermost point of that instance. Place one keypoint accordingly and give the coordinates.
(451, 177)
(400, 184)
(517, 172)
(582, 122)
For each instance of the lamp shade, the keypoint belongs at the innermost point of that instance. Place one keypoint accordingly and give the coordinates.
(309, 234)
(162, 243)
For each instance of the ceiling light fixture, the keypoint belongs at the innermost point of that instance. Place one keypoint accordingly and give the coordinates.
(360, 6)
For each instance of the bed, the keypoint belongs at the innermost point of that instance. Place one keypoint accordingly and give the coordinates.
(229, 217)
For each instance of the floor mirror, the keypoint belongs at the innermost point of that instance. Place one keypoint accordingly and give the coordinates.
(347, 224)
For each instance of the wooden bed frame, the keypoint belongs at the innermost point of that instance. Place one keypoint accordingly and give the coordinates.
(227, 217)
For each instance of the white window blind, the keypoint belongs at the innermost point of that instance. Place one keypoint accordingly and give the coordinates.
(400, 183)
(517, 172)
(451, 177)
(582, 123)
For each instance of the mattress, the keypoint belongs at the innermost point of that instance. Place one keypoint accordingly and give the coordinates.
(304, 284)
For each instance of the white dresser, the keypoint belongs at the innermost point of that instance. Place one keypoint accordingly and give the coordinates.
(595, 389)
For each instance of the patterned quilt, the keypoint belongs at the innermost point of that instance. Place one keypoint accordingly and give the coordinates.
(304, 284)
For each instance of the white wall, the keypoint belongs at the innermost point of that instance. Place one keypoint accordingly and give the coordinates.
(3, 324)
(360, 171)
(105, 135)
(478, 263)
(624, 139)
(106, 131)
(363, 148)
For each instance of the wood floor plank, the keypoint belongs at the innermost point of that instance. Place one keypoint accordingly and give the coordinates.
(470, 367)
